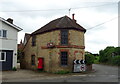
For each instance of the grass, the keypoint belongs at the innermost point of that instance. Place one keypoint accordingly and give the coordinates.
(62, 72)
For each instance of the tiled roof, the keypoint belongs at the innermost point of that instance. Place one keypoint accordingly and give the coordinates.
(60, 23)
(27, 36)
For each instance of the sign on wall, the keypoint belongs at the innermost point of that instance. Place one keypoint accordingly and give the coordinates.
(79, 65)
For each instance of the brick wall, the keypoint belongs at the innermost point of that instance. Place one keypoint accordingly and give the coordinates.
(52, 56)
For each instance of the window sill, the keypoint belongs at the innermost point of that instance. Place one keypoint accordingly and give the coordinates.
(64, 65)
(2, 60)
(3, 38)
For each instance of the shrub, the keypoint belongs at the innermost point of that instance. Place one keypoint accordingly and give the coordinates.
(116, 60)
(14, 69)
(96, 60)
(89, 58)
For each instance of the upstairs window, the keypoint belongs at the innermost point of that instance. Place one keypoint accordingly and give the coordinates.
(2, 56)
(34, 40)
(64, 58)
(64, 37)
(3, 33)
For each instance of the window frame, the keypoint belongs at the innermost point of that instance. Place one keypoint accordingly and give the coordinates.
(34, 40)
(4, 56)
(63, 61)
(32, 59)
(0, 33)
(3, 33)
(64, 36)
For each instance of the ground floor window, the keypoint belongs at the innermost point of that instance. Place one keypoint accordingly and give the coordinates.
(64, 58)
(32, 59)
(2, 56)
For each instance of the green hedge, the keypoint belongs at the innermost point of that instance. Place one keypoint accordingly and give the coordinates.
(116, 60)
(89, 58)
(110, 55)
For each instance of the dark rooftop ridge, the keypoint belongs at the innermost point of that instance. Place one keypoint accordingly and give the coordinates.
(60, 23)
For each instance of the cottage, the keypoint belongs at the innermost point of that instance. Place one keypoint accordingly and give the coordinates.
(8, 44)
(54, 46)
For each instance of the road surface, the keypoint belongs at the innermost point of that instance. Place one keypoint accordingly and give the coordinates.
(103, 73)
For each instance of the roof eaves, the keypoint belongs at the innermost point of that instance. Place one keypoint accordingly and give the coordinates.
(16, 27)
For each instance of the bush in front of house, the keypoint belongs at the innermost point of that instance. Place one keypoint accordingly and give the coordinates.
(89, 60)
(14, 69)
(62, 72)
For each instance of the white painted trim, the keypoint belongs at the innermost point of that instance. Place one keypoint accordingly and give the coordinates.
(4, 56)
(14, 26)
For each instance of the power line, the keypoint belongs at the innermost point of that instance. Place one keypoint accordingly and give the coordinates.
(56, 9)
(102, 23)
(93, 6)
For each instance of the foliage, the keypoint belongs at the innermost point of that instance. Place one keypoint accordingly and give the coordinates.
(116, 60)
(89, 58)
(96, 60)
(110, 55)
(62, 72)
(14, 69)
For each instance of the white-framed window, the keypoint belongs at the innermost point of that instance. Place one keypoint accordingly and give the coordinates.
(2, 56)
(3, 33)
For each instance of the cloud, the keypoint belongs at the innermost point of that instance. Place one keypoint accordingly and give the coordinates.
(95, 39)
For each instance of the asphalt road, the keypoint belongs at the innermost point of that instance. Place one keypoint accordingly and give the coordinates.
(103, 73)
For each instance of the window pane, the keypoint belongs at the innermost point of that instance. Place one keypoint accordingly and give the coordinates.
(2, 56)
(33, 40)
(4, 33)
(33, 59)
(64, 37)
(0, 33)
(64, 58)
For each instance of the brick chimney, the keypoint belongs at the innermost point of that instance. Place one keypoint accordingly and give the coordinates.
(73, 17)
(10, 20)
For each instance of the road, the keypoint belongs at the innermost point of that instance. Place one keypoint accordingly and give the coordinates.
(103, 73)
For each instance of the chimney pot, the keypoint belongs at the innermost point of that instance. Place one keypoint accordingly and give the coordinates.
(73, 17)
(10, 20)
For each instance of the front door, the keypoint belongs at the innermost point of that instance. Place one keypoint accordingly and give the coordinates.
(6, 60)
(40, 63)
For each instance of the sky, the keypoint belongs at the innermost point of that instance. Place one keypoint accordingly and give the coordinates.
(98, 17)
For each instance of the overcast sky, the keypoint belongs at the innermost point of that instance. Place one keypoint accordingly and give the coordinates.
(99, 18)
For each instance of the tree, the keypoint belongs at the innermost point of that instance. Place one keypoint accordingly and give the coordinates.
(110, 55)
(116, 60)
